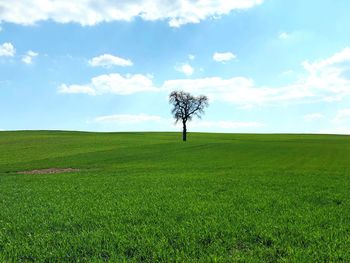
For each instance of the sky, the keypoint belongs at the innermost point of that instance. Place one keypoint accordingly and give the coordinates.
(267, 66)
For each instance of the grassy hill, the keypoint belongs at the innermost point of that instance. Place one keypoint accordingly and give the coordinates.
(151, 197)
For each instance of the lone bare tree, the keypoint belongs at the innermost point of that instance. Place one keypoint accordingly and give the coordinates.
(185, 107)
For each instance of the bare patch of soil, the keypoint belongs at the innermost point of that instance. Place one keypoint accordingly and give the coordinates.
(50, 171)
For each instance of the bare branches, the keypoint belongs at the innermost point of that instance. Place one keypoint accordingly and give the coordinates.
(186, 106)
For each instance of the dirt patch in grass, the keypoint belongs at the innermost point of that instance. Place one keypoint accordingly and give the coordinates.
(50, 171)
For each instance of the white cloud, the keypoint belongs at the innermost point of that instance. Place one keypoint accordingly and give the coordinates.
(223, 57)
(128, 118)
(330, 63)
(284, 36)
(107, 60)
(7, 50)
(185, 68)
(112, 83)
(238, 90)
(28, 57)
(329, 78)
(84, 12)
(326, 80)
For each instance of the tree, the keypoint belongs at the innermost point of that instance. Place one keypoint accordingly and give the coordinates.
(185, 107)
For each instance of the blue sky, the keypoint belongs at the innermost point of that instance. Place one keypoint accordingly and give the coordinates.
(266, 65)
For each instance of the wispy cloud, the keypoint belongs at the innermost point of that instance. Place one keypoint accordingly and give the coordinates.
(108, 60)
(128, 118)
(238, 90)
(342, 116)
(226, 125)
(340, 124)
(76, 89)
(337, 63)
(168, 123)
(176, 12)
(329, 77)
(313, 117)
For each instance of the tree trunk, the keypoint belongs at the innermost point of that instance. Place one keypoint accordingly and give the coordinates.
(184, 131)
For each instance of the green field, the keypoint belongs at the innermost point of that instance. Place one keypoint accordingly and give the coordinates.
(151, 197)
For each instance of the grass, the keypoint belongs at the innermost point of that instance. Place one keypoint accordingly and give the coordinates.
(149, 197)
